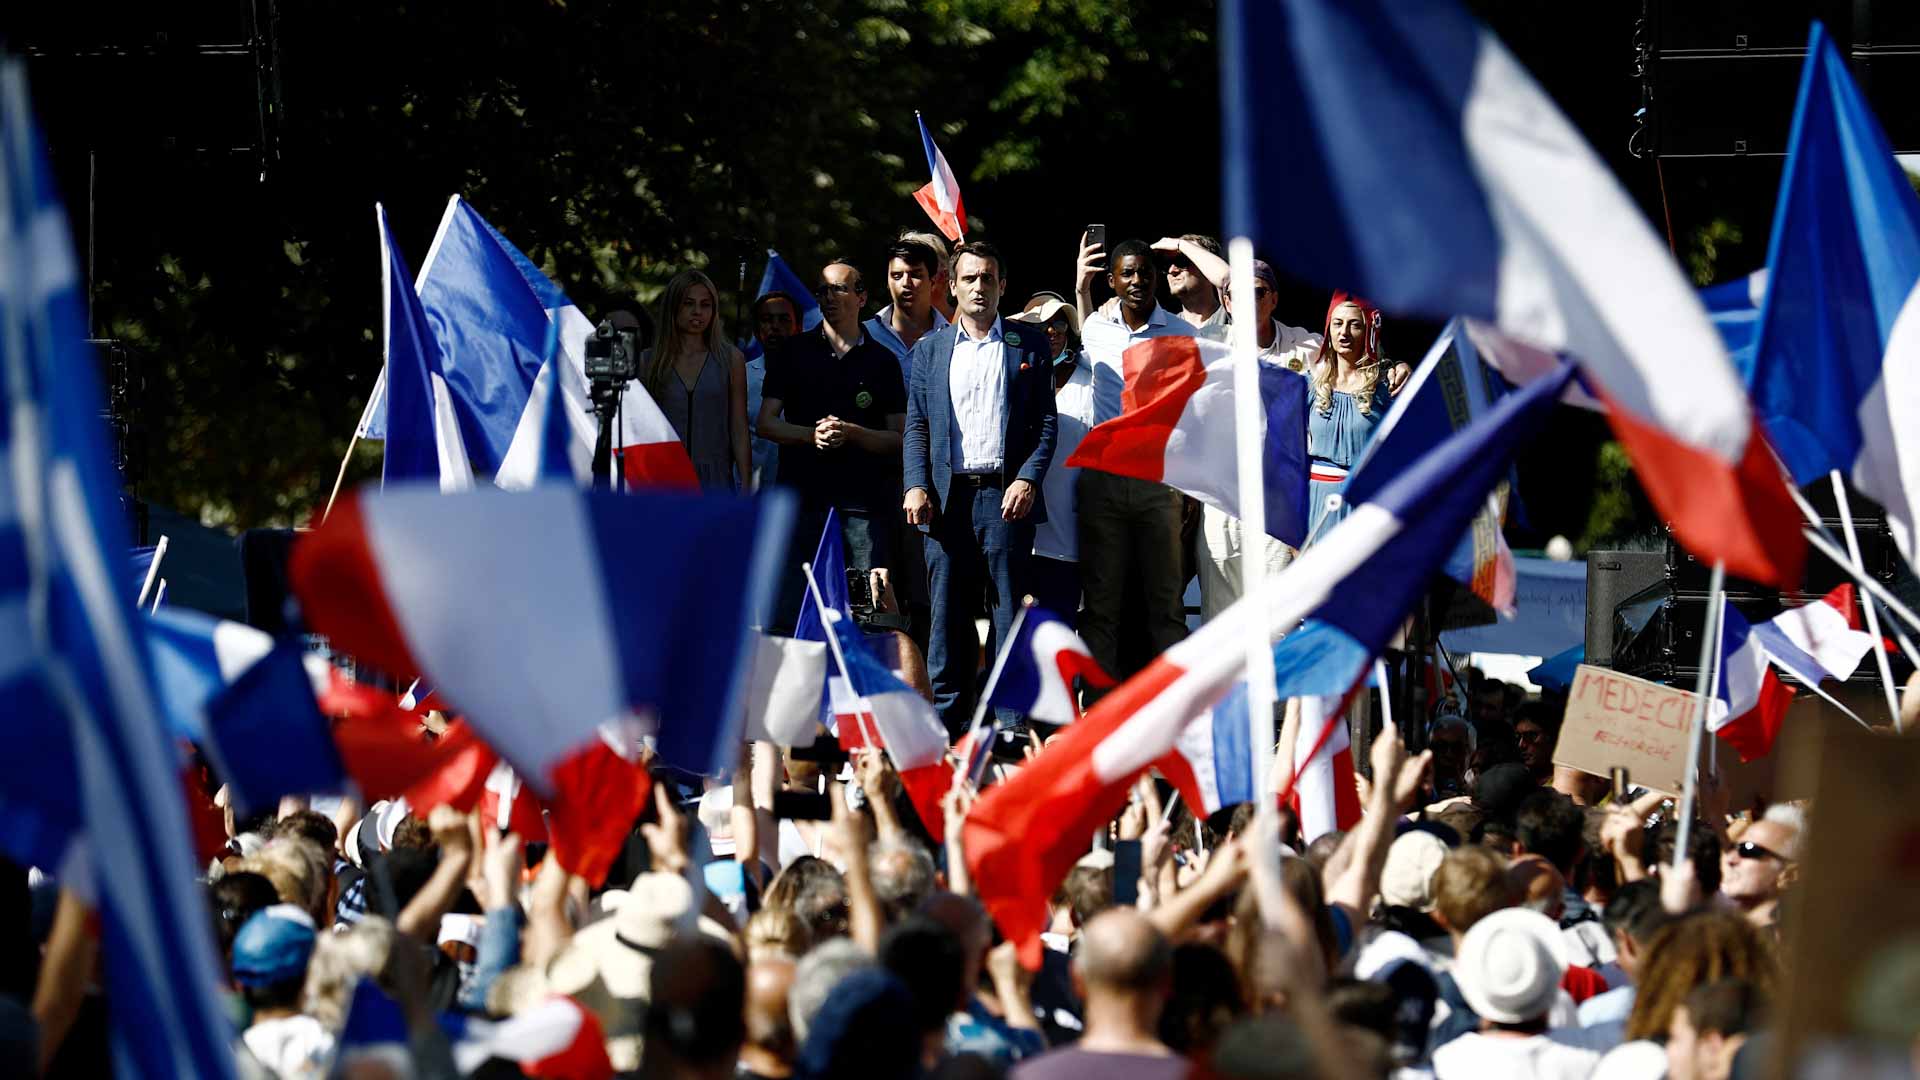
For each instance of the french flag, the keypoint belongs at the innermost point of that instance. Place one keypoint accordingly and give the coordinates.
(1212, 763)
(940, 197)
(1515, 222)
(1816, 641)
(558, 1039)
(1357, 583)
(424, 441)
(1324, 795)
(1039, 666)
(1176, 427)
(1836, 357)
(412, 580)
(873, 707)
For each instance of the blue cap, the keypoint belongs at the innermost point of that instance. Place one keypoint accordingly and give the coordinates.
(273, 946)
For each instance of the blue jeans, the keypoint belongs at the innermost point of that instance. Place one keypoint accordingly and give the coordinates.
(972, 555)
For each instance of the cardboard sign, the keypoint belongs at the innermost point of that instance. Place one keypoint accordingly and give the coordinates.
(1614, 719)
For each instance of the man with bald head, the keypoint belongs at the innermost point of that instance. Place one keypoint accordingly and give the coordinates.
(1123, 969)
(1757, 869)
(768, 1052)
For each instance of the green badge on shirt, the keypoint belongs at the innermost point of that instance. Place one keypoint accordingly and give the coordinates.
(863, 399)
(1012, 337)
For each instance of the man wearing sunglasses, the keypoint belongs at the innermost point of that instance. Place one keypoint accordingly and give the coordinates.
(1762, 865)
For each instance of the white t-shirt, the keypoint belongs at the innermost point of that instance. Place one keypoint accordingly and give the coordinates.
(294, 1047)
(1056, 537)
(1482, 1056)
(1641, 1059)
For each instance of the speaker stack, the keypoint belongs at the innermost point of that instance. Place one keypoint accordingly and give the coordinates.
(1718, 77)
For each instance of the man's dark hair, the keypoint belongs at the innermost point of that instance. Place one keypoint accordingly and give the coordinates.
(980, 249)
(1727, 1007)
(696, 1004)
(1703, 847)
(1363, 1003)
(408, 868)
(1124, 248)
(915, 253)
(931, 961)
(1635, 910)
(312, 825)
(1549, 825)
(775, 294)
(813, 890)
(1205, 998)
(234, 899)
(284, 994)
(412, 833)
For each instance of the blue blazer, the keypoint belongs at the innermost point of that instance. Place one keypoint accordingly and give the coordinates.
(1028, 440)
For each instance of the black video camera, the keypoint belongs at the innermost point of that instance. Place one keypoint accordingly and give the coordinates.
(612, 361)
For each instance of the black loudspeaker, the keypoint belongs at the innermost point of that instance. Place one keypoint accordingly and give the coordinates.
(1613, 577)
(263, 565)
(1718, 78)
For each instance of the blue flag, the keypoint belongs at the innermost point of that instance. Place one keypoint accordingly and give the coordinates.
(779, 277)
(76, 694)
(423, 435)
(1836, 368)
(267, 737)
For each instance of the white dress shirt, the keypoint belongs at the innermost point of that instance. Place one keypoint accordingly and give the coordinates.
(977, 389)
(1104, 338)
(1056, 537)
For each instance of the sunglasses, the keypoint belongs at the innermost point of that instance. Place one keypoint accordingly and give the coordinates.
(1180, 264)
(1261, 292)
(1747, 849)
(1529, 735)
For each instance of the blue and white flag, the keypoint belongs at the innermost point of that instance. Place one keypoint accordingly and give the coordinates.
(1388, 550)
(195, 657)
(1040, 665)
(76, 693)
(1734, 307)
(1216, 752)
(1836, 369)
(1443, 182)
(423, 433)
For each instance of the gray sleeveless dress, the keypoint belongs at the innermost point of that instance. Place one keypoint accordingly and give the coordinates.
(701, 417)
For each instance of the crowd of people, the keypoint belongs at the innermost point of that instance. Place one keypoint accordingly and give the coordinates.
(1489, 915)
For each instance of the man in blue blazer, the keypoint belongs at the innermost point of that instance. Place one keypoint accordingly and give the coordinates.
(979, 438)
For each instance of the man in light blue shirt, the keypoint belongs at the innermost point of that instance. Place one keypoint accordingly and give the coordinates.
(915, 272)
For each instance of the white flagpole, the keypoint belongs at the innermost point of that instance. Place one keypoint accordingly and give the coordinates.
(827, 618)
(1702, 686)
(153, 572)
(1873, 614)
(1816, 535)
(159, 594)
(1250, 428)
(993, 680)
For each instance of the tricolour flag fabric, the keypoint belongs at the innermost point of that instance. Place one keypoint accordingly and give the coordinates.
(1358, 582)
(1820, 640)
(873, 705)
(1836, 368)
(195, 657)
(1324, 793)
(1449, 388)
(1042, 660)
(1213, 762)
(940, 196)
(1411, 522)
(640, 602)
(779, 277)
(1176, 427)
(1515, 221)
(90, 782)
(784, 692)
(424, 440)
(1750, 701)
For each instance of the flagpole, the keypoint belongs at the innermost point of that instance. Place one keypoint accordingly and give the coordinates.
(159, 594)
(153, 571)
(1249, 424)
(827, 618)
(1873, 615)
(1816, 535)
(1000, 662)
(1702, 686)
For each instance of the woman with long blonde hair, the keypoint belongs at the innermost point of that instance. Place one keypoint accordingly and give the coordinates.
(1349, 401)
(700, 382)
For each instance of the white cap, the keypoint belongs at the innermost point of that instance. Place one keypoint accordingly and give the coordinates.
(1407, 878)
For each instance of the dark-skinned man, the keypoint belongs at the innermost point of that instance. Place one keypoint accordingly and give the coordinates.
(1130, 537)
(978, 440)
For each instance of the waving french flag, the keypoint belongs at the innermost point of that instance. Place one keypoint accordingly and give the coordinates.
(1042, 660)
(940, 196)
(1324, 792)
(1356, 584)
(1817, 641)
(424, 441)
(1836, 368)
(1212, 762)
(1514, 222)
(1176, 427)
(873, 707)
(448, 586)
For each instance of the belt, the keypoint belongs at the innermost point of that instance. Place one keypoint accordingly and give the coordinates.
(1326, 472)
(977, 479)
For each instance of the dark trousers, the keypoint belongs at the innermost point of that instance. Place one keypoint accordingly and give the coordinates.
(1055, 585)
(1129, 532)
(972, 555)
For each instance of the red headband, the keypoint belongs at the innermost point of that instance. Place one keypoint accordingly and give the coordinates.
(1367, 312)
